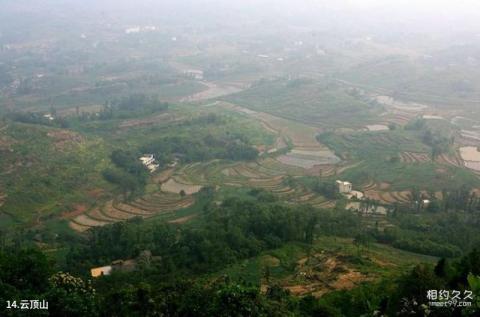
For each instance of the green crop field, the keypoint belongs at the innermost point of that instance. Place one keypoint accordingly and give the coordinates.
(380, 157)
(320, 103)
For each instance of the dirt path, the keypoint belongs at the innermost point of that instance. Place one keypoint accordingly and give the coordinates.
(213, 90)
(301, 135)
(182, 220)
(429, 98)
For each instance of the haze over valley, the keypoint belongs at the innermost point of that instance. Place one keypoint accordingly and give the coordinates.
(280, 158)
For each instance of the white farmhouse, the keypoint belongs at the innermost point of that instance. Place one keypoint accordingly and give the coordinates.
(344, 187)
(148, 160)
(194, 73)
(49, 117)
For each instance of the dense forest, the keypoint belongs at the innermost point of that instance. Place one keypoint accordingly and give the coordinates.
(167, 280)
(199, 149)
(130, 175)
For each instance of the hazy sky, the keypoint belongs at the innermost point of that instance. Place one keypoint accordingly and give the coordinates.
(363, 15)
(417, 4)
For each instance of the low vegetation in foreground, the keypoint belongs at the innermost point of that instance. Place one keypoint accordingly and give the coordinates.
(248, 257)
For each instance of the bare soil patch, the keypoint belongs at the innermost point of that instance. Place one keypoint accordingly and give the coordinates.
(172, 186)
(471, 157)
(85, 220)
(349, 280)
(299, 290)
(373, 194)
(77, 227)
(321, 273)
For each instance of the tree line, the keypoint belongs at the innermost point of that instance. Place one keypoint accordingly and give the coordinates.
(237, 229)
(29, 273)
(129, 173)
(200, 148)
(133, 105)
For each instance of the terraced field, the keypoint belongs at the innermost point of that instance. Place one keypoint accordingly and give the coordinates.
(301, 155)
(272, 166)
(267, 174)
(377, 192)
(305, 151)
(471, 157)
(398, 112)
(449, 159)
(145, 207)
(323, 170)
(414, 157)
(397, 117)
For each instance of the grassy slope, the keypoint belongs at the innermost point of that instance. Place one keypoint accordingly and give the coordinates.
(231, 123)
(47, 174)
(437, 81)
(318, 103)
(134, 138)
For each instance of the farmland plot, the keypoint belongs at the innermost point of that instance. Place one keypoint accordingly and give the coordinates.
(306, 151)
(308, 159)
(471, 157)
(174, 186)
(414, 157)
(145, 207)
